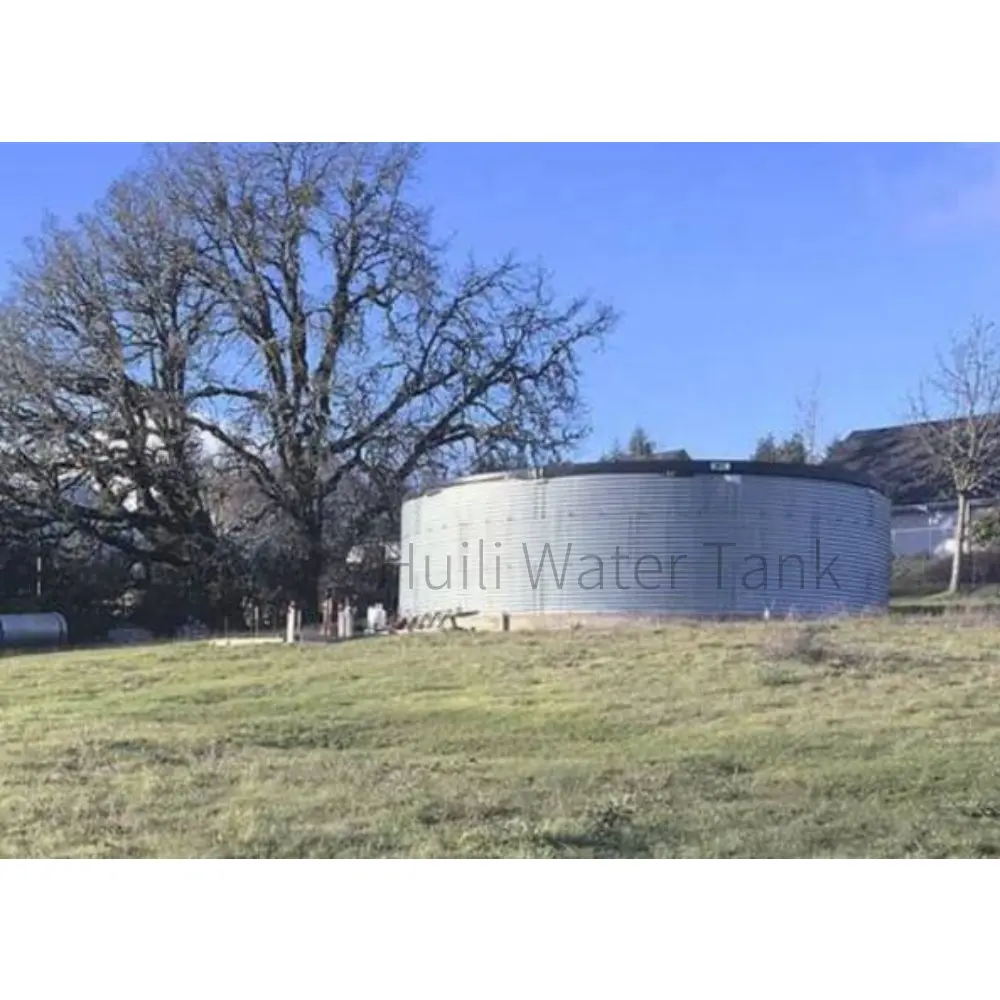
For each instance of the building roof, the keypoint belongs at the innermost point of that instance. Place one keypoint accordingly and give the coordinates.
(899, 462)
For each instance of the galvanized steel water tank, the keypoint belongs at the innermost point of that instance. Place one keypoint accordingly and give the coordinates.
(38, 629)
(648, 537)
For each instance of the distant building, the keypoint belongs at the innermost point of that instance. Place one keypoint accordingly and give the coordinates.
(924, 507)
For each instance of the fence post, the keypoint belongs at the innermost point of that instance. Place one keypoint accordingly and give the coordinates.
(290, 622)
(345, 620)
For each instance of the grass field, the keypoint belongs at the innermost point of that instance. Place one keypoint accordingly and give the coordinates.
(870, 738)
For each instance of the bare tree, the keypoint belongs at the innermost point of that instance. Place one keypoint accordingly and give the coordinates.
(288, 304)
(807, 422)
(801, 446)
(365, 356)
(109, 342)
(957, 416)
(103, 336)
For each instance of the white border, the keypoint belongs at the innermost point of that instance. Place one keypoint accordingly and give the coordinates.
(497, 929)
(434, 70)
(623, 71)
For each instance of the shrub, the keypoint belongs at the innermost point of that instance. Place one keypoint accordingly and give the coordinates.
(915, 576)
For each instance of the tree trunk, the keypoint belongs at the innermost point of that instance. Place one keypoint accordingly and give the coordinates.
(958, 556)
(311, 590)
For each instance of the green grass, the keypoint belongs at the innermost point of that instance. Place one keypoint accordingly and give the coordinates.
(870, 738)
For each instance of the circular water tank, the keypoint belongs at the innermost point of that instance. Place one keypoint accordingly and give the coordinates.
(41, 629)
(648, 538)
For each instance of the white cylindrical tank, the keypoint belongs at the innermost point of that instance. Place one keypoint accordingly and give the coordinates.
(649, 538)
(41, 629)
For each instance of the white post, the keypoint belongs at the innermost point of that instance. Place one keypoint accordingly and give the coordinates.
(290, 623)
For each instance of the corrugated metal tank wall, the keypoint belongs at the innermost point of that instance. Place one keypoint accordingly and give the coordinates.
(689, 544)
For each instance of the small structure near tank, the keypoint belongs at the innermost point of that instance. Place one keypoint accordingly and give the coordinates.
(442, 620)
(192, 629)
(328, 615)
(130, 634)
(40, 629)
(293, 623)
(345, 620)
(376, 619)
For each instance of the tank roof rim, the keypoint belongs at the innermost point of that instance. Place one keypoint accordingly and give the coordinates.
(664, 467)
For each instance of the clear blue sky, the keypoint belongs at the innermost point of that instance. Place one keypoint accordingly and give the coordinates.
(741, 272)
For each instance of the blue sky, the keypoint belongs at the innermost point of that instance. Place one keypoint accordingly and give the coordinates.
(742, 273)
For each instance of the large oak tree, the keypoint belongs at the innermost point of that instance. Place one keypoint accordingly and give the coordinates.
(288, 308)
